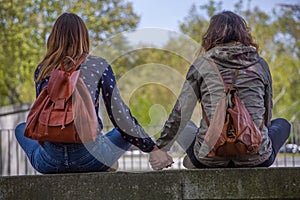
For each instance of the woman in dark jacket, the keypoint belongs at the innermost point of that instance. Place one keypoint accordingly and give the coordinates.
(229, 45)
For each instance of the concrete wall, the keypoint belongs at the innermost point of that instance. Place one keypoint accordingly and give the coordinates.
(264, 183)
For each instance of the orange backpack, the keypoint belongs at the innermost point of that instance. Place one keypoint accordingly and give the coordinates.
(64, 110)
(231, 131)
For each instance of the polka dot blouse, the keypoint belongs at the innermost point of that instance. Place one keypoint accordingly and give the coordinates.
(99, 78)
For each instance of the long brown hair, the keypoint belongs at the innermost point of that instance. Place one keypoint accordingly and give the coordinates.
(69, 37)
(227, 27)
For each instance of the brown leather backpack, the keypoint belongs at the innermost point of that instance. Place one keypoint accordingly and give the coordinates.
(64, 110)
(232, 131)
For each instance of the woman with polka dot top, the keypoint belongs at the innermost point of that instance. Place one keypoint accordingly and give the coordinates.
(69, 37)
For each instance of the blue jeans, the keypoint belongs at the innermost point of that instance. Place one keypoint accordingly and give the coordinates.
(52, 158)
(279, 132)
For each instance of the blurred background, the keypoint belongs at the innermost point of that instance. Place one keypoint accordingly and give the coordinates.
(135, 37)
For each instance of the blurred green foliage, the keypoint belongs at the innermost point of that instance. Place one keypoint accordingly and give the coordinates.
(25, 25)
(277, 34)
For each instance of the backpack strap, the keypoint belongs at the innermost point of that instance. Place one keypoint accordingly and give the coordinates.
(81, 60)
(226, 89)
(219, 74)
(236, 73)
(76, 64)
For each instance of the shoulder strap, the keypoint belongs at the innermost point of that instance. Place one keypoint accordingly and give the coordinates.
(226, 89)
(236, 73)
(77, 64)
(219, 74)
(81, 59)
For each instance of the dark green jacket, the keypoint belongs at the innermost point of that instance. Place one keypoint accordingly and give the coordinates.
(254, 86)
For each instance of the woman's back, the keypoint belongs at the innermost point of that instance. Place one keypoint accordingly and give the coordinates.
(252, 85)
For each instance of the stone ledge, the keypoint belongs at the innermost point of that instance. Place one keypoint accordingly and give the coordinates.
(255, 183)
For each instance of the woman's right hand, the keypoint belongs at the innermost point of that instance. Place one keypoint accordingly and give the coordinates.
(160, 159)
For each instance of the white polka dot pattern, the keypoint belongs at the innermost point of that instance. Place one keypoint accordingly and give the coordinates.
(98, 76)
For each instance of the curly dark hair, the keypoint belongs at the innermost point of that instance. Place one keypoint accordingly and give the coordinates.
(227, 27)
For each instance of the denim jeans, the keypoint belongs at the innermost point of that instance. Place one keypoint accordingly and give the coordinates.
(279, 132)
(95, 156)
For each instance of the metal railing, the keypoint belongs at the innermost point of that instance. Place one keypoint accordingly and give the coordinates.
(14, 162)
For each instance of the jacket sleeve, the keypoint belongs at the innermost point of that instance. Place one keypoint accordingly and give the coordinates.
(120, 114)
(268, 93)
(182, 110)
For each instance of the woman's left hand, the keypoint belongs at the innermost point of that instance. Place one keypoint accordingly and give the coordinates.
(160, 159)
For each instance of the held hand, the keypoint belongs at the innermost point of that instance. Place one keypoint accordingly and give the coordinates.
(159, 159)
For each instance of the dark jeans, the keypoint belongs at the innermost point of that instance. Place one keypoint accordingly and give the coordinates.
(279, 132)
